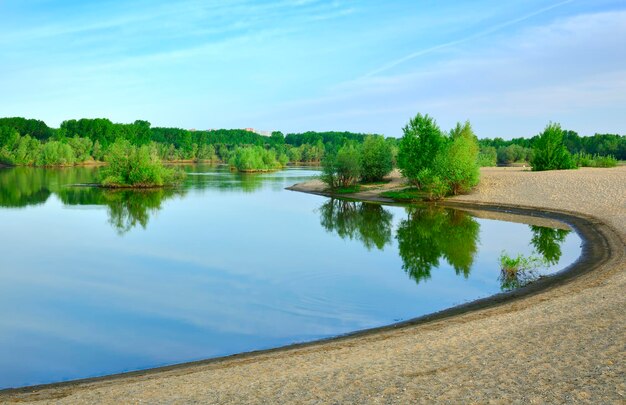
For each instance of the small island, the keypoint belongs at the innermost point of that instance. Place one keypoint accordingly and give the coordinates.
(132, 166)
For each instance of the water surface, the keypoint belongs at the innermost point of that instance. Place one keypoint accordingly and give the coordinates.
(94, 282)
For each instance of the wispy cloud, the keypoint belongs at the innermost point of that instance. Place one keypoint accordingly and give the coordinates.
(460, 41)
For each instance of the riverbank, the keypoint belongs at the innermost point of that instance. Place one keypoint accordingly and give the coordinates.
(562, 345)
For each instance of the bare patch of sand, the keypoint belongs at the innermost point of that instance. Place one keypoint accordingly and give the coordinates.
(564, 345)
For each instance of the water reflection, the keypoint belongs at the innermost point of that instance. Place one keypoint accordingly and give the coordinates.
(547, 251)
(368, 223)
(126, 208)
(24, 186)
(430, 234)
(547, 242)
(427, 235)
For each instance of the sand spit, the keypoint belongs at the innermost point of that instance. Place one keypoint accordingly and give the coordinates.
(565, 344)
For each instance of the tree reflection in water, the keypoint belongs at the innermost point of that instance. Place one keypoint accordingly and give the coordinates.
(547, 242)
(365, 222)
(424, 238)
(126, 208)
(432, 233)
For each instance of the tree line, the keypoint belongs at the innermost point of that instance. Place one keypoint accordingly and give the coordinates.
(31, 142)
(520, 149)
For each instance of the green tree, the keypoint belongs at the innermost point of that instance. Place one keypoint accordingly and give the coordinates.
(487, 156)
(137, 167)
(376, 158)
(422, 140)
(549, 152)
(457, 164)
(342, 169)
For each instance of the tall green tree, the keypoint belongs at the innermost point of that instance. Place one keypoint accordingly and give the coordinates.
(458, 164)
(421, 142)
(549, 151)
(376, 158)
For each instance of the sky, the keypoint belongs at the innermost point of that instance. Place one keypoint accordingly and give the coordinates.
(365, 66)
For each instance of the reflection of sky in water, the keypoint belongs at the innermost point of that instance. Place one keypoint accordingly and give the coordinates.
(213, 273)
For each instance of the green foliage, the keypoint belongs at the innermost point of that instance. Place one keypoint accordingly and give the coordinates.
(457, 165)
(430, 234)
(35, 128)
(487, 156)
(419, 146)
(549, 152)
(516, 272)
(342, 169)
(137, 167)
(513, 154)
(547, 242)
(376, 159)
(368, 223)
(587, 160)
(437, 164)
(598, 144)
(255, 159)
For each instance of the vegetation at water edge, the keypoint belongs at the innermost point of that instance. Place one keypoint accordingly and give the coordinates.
(438, 163)
(130, 166)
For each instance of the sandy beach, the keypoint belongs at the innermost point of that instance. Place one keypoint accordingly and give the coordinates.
(565, 344)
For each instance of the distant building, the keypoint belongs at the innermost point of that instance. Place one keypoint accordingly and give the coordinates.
(259, 132)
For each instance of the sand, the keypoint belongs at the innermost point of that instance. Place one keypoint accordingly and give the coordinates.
(566, 344)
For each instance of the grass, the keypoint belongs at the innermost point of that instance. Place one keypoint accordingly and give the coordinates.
(348, 190)
(516, 272)
(405, 195)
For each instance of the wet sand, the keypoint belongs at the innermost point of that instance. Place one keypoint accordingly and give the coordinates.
(565, 344)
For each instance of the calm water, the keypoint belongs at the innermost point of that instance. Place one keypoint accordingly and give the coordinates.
(94, 282)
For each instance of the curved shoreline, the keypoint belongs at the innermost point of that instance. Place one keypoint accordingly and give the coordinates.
(592, 256)
(603, 251)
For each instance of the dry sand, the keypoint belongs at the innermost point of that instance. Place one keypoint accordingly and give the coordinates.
(566, 344)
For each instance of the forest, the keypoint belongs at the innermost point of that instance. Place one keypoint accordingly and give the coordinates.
(32, 142)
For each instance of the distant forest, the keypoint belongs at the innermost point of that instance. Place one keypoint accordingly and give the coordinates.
(32, 142)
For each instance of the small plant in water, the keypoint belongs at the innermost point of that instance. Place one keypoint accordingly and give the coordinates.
(516, 272)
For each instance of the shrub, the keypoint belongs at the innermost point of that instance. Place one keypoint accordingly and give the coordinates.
(452, 164)
(421, 142)
(513, 153)
(487, 156)
(516, 272)
(457, 164)
(342, 169)
(582, 159)
(255, 159)
(139, 167)
(549, 152)
(376, 159)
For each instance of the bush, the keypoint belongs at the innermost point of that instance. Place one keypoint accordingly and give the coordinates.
(255, 159)
(513, 153)
(582, 159)
(342, 169)
(421, 142)
(549, 152)
(138, 167)
(452, 164)
(516, 272)
(487, 156)
(457, 164)
(376, 159)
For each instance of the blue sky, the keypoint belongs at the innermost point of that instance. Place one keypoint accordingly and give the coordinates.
(367, 66)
